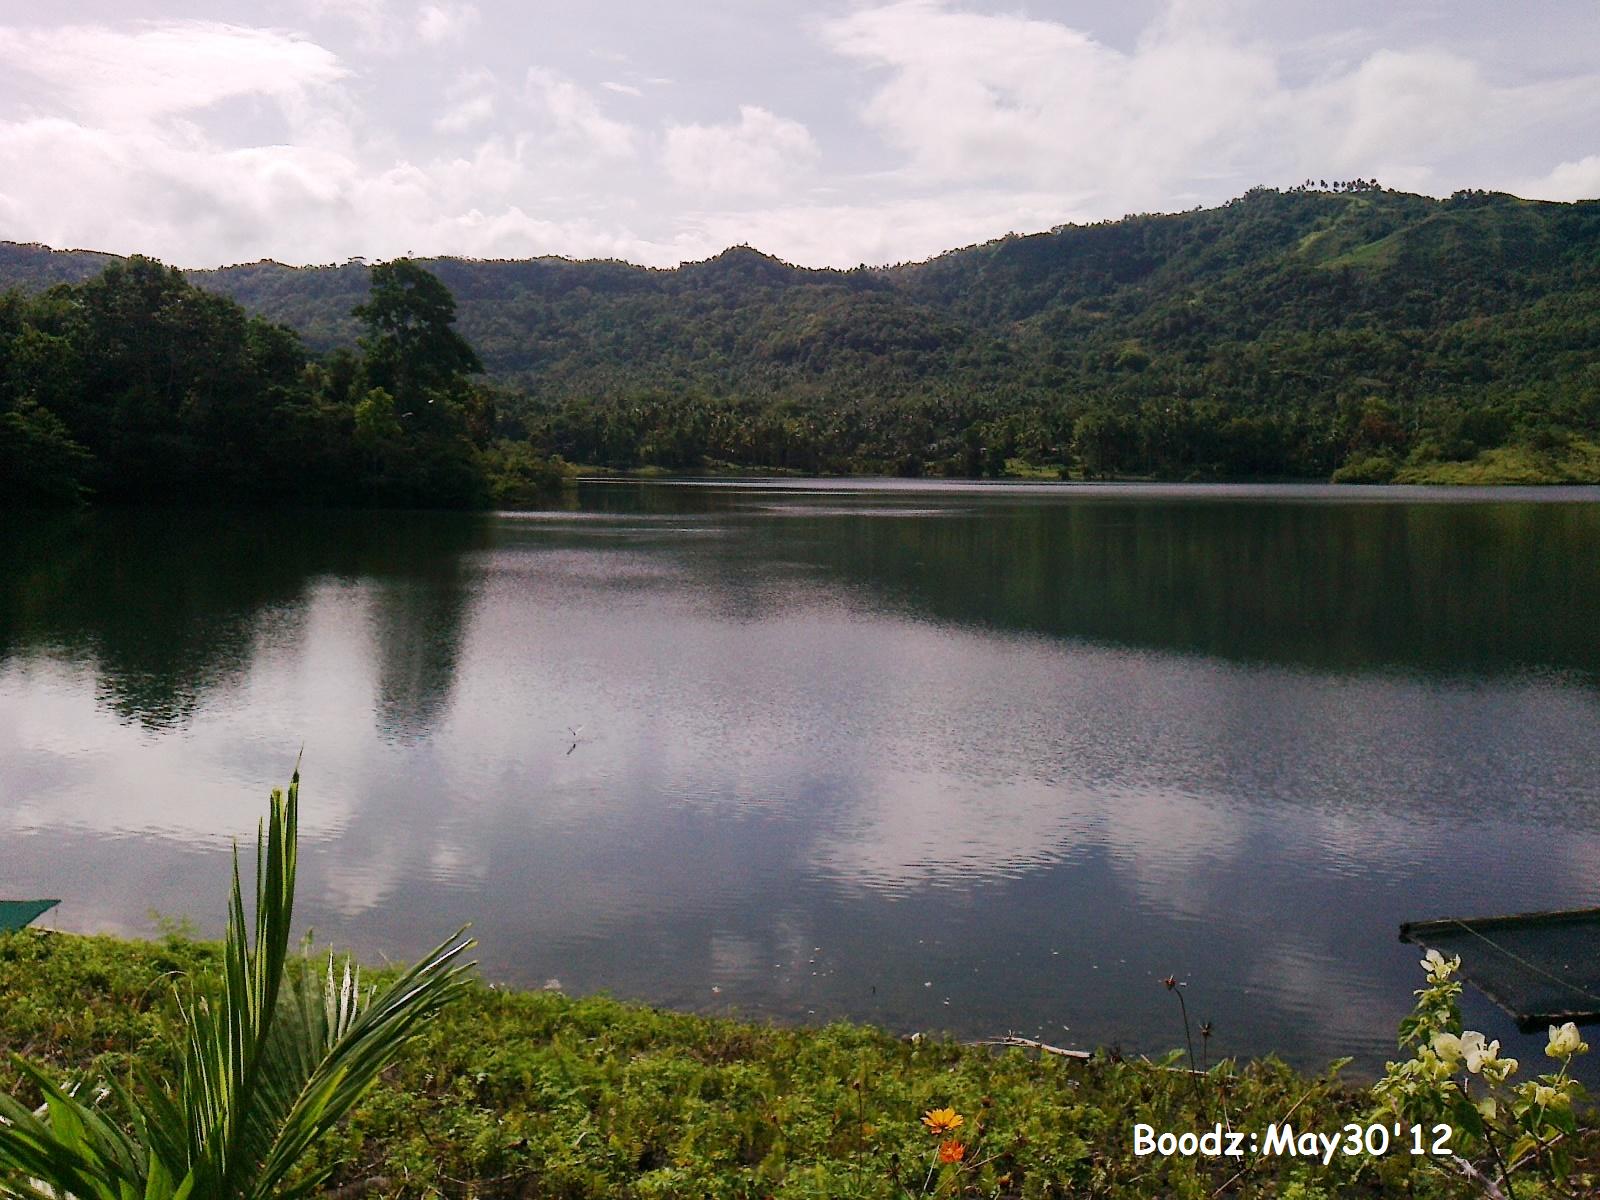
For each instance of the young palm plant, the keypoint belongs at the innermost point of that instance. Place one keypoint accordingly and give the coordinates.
(274, 1058)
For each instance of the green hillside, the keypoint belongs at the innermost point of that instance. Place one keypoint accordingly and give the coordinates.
(1284, 334)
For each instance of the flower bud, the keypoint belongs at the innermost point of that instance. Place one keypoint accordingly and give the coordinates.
(1565, 1041)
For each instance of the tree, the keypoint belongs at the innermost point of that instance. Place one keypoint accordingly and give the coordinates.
(1103, 440)
(375, 421)
(419, 446)
(40, 464)
(412, 348)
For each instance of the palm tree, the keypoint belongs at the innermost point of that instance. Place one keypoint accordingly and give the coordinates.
(273, 1060)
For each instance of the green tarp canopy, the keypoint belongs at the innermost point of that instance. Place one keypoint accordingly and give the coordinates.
(1542, 968)
(14, 914)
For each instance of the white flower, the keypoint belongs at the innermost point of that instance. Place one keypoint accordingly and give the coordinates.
(1545, 1096)
(1448, 1047)
(1484, 1059)
(1565, 1041)
(1438, 967)
(1477, 1054)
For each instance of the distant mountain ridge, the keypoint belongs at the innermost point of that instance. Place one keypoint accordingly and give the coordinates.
(1296, 308)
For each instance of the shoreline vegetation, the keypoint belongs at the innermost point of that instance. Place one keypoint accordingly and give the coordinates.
(536, 1094)
(1346, 332)
(1510, 468)
(179, 1069)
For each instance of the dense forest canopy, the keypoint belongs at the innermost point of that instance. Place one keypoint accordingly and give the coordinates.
(138, 386)
(1289, 334)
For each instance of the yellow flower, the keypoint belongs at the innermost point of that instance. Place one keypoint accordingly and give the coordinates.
(951, 1151)
(941, 1121)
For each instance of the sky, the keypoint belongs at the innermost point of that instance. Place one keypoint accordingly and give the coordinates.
(207, 132)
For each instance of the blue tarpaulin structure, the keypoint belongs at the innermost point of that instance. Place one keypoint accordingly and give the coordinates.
(14, 914)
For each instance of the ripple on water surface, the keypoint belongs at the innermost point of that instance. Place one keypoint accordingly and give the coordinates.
(981, 761)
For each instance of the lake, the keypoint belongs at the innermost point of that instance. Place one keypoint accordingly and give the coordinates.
(978, 758)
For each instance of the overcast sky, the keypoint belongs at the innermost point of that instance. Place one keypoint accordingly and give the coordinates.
(210, 131)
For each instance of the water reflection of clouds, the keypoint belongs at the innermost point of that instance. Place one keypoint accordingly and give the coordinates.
(886, 746)
(68, 766)
(936, 756)
(767, 766)
(813, 510)
(1335, 1003)
(72, 764)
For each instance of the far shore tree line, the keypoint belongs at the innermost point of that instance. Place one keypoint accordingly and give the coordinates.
(1329, 331)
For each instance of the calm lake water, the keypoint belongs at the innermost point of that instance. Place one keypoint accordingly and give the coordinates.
(977, 759)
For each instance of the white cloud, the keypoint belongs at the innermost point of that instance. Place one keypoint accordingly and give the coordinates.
(471, 103)
(115, 78)
(973, 96)
(445, 22)
(194, 204)
(465, 114)
(367, 15)
(875, 232)
(382, 30)
(204, 141)
(1406, 117)
(1008, 98)
(757, 157)
(377, 29)
(1577, 180)
(572, 115)
(1395, 116)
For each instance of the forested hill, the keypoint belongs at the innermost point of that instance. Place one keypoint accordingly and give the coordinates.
(1283, 334)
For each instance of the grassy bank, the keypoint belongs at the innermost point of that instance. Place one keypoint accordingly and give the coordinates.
(1572, 460)
(533, 1094)
(1576, 461)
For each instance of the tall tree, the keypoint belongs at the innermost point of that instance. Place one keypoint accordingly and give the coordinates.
(412, 348)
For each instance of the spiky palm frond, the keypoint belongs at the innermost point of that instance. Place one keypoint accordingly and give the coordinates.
(274, 1057)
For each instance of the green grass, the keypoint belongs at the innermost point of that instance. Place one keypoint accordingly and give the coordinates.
(1577, 462)
(1021, 468)
(533, 1094)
